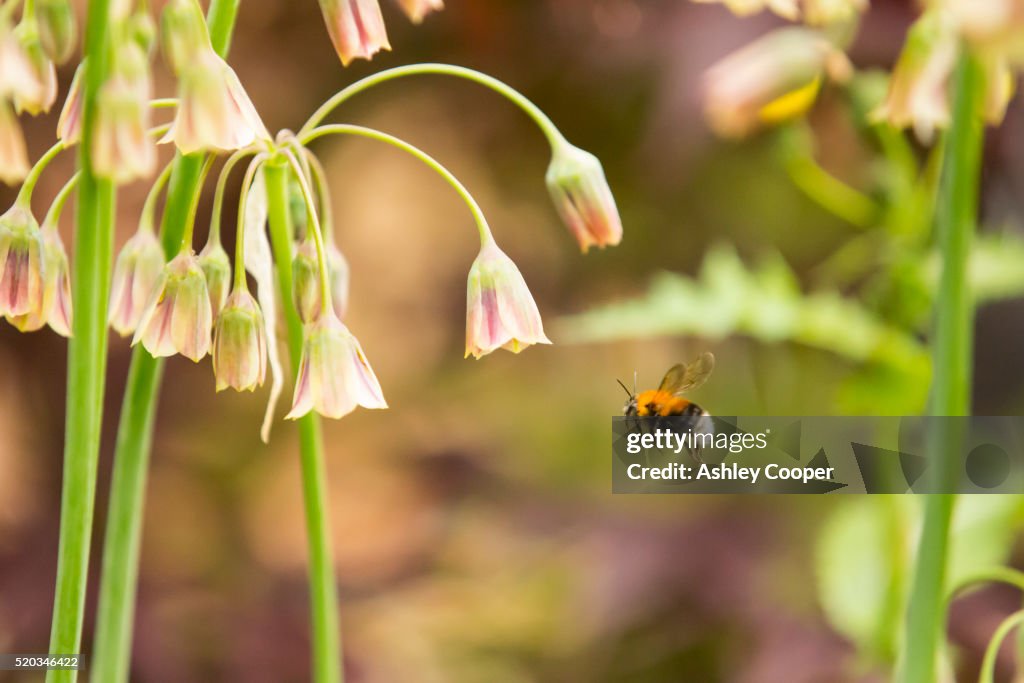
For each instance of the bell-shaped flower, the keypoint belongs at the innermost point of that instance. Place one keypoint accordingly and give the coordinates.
(416, 10)
(240, 344)
(183, 33)
(214, 111)
(56, 310)
(918, 94)
(338, 274)
(41, 91)
(21, 264)
(57, 28)
(334, 375)
(306, 280)
(136, 273)
(500, 312)
(177, 318)
(69, 125)
(581, 194)
(773, 79)
(356, 28)
(13, 155)
(217, 269)
(122, 149)
(17, 75)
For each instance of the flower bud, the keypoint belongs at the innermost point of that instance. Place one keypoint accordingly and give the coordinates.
(500, 311)
(918, 88)
(69, 126)
(773, 79)
(177, 318)
(142, 31)
(57, 28)
(122, 149)
(338, 272)
(217, 268)
(56, 298)
(136, 273)
(416, 10)
(334, 375)
(581, 194)
(214, 111)
(356, 28)
(13, 155)
(306, 280)
(240, 344)
(184, 33)
(21, 264)
(40, 95)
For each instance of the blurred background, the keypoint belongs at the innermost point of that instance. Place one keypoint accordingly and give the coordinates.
(476, 538)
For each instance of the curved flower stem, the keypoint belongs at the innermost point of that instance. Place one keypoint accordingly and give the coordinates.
(119, 579)
(218, 194)
(190, 225)
(830, 193)
(955, 219)
(1005, 575)
(25, 193)
(987, 673)
(148, 217)
(316, 230)
(326, 634)
(360, 131)
(250, 173)
(549, 129)
(87, 359)
(57, 207)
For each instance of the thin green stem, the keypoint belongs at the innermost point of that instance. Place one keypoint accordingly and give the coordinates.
(360, 131)
(119, 580)
(549, 129)
(830, 193)
(218, 194)
(323, 192)
(955, 219)
(25, 193)
(193, 209)
(164, 103)
(1005, 575)
(326, 634)
(987, 673)
(317, 230)
(87, 358)
(57, 207)
(148, 217)
(250, 174)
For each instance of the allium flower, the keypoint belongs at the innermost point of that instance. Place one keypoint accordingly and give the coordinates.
(334, 375)
(183, 33)
(69, 126)
(214, 112)
(356, 28)
(918, 90)
(788, 9)
(773, 79)
(17, 76)
(217, 268)
(122, 148)
(500, 313)
(21, 264)
(829, 12)
(13, 155)
(306, 280)
(338, 273)
(56, 298)
(57, 28)
(577, 184)
(178, 318)
(40, 92)
(240, 344)
(416, 10)
(136, 273)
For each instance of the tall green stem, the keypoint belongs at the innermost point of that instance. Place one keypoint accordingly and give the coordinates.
(955, 218)
(87, 360)
(119, 580)
(326, 634)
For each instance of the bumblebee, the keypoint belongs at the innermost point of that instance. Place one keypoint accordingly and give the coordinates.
(667, 399)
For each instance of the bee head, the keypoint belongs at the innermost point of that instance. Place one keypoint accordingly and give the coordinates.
(629, 409)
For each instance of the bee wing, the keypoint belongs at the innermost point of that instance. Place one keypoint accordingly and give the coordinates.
(697, 372)
(674, 379)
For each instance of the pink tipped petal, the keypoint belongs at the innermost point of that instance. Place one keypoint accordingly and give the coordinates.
(356, 28)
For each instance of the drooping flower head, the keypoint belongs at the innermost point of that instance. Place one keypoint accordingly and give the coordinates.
(500, 311)
(240, 344)
(39, 91)
(56, 309)
(217, 268)
(121, 147)
(136, 273)
(177, 318)
(69, 125)
(578, 187)
(214, 111)
(21, 263)
(57, 28)
(334, 375)
(356, 28)
(306, 280)
(338, 274)
(773, 79)
(416, 10)
(13, 155)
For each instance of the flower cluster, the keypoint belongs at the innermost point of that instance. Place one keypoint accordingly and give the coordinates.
(173, 301)
(357, 27)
